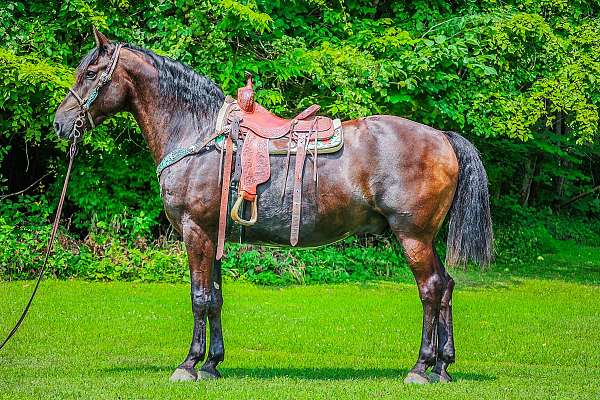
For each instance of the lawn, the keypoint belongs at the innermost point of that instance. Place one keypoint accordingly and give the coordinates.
(517, 337)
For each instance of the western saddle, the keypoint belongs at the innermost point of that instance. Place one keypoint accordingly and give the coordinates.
(254, 134)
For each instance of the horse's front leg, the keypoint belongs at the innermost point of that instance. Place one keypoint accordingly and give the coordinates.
(216, 351)
(205, 300)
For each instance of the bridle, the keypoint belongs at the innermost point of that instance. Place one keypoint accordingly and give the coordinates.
(84, 105)
(86, 102)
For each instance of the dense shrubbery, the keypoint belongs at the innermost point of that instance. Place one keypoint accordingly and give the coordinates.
(519, 79)
(106, 255)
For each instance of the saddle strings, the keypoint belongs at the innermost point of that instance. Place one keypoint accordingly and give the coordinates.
(312, 131)
(287, 159)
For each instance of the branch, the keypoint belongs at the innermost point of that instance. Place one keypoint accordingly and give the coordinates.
(24, 190)
(580, 196)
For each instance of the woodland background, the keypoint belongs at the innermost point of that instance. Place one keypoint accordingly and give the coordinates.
(518, 78)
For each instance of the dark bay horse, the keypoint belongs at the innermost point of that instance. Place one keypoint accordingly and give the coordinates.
(392, 173)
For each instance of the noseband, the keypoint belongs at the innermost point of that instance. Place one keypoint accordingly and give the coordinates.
(86, 102)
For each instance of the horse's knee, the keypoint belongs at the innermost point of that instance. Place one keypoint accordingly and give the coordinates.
(217, 300)
(206, 301)
(214, 309)
(201, 300)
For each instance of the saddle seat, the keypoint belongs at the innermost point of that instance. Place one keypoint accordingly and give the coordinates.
(269, 126)
(255, 133)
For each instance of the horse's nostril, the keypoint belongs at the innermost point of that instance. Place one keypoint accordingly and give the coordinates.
(57, 127)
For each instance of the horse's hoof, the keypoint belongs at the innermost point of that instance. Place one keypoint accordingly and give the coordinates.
(207, 375)
(442, 377)
(414, 377)
(183, 375)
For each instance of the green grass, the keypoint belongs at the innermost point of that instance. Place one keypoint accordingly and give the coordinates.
(516, 337)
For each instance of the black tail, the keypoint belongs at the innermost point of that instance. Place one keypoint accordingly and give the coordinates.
(470, 233)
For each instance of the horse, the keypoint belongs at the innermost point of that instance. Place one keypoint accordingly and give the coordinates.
(391, 174)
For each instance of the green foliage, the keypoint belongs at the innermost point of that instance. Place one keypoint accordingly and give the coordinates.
(520, 79)
(348, 261)
(125, 202)
(247, 12)
(106, 254)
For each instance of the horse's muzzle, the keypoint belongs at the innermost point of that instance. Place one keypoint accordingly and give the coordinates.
(64, 129)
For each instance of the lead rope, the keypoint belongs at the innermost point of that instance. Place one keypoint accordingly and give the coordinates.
(78, 128)
(72, 154)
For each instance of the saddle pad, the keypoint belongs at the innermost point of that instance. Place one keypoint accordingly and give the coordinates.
(280, 146)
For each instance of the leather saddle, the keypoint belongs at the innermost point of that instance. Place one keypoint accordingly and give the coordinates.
(255, 131)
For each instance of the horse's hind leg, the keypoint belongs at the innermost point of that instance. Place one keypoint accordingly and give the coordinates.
(445, 345)
(430, 281)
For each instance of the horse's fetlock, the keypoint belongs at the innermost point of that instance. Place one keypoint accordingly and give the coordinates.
(428, 357)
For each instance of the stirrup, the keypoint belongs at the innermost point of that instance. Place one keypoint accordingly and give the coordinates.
(235, 212)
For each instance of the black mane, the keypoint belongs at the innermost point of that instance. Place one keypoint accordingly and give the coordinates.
(181, 85)
(181, 88)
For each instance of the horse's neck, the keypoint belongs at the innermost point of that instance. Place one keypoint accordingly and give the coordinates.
(166, 127)
(157, 128)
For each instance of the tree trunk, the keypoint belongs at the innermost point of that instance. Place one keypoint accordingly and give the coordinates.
(530, 167)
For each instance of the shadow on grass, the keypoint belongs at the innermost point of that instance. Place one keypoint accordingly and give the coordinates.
(570, 263)
(336, 373)
(301, 373)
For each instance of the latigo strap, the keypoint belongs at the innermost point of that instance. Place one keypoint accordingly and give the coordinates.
(235, 127)
(224, 196)
(297, 194)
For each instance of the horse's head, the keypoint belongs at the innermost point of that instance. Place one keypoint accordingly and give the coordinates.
(100, 90)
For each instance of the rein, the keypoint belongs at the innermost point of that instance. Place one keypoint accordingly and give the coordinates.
(76, 133)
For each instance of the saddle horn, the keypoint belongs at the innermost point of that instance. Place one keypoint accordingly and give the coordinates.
(245, 95)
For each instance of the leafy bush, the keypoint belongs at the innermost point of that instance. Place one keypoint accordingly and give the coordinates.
(353, 259)
(104, 256)
(518, 78)
(517, 244)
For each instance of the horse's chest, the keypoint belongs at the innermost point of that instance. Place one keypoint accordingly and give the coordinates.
(174, 196)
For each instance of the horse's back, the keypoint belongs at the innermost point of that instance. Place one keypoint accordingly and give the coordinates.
(390, 169)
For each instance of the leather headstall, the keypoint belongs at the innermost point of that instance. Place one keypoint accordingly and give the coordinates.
(86, 102)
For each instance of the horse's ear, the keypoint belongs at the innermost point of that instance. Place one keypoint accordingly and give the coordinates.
(101, 40)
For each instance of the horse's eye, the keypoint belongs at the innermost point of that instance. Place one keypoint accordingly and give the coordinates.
(90, 74)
